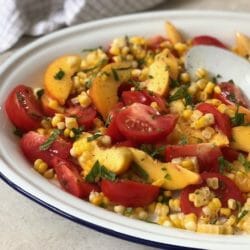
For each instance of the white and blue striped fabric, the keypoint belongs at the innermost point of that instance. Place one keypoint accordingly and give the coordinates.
(35, 17)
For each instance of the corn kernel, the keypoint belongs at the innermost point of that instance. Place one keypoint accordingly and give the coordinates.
(204, 121)
(214, 229)
(49, 174)
(71, 122)
(209, 87)
(95, 198)
(222, 108)
(202, 96)
(56, 119)
(117, 59)
(201, 73)
(119, 209)
(136, 72)
(167, 193)
(186, 114)
(129, 57)
(208, 132)
(151, 207)
(142, 215)
(190, 222)
(232, 204)
(225, 212)
(71, 134)
(196, 114)
(174, 205)
(46, 123)
(115, 50)
(217, 89)
(213, 182)
(40, 166)
(201, 197)
(155, 106)
(180, 47)
(84, 99)
(60, 125)
(167, 223)
(161, 209)
(177, 219)
(105, 140)
(231, 220)
(185, 77)
(201, 83)
(214, 102)
(192, 89)
(66, 132)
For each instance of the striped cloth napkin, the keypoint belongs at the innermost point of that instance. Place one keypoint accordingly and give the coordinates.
(35, 18)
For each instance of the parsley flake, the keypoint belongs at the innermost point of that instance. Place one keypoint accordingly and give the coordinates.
(46, 145)
(239, 118)
(140, 171)
(115, 74)
(182, 92)
(77, 132)
(59, 75)
(242, 215)
(245, 163)
(18, 132)
(39, 93)
(151, 150)
(94, 136)
(224, 165)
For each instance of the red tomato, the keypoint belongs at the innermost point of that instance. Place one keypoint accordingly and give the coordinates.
(227, 190)
(70, 179)
(230, 154)
(31, 142)
(154, 42)
(221, 120)
(112, 129)
(129, 193)
(124, 87)
(23, 109)
(85, 116)
(143, 124)
(208, 40)
(232, 94)
(206, 153)
(130, 97)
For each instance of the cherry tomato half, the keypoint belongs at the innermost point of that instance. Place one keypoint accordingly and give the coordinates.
(230, 154)
(221, 120)
(31, 142)
(155, 41)
(23, 109)
(143, 124)
(130, 97)
(227, 190)
(69, 177)
(85, 116)
(231, 94)
(208, 40)
(206, 153)
(129, 193)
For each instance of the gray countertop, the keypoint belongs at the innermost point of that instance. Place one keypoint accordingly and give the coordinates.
(26, 225)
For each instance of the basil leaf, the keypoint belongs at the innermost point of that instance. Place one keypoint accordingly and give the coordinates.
(99, 171)
(140, 171)
(239, 118)
(77, 132)
(46, 145)
(224, 165)
(94, 136)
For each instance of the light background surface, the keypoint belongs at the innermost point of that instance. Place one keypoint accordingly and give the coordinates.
(26, 225)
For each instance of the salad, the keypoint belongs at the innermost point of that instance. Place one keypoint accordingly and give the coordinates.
(127, 129)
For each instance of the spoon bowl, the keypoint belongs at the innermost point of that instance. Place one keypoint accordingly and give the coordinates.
(219, 62)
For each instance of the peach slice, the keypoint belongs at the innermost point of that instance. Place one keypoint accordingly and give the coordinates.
(105, 86)
(58, 77)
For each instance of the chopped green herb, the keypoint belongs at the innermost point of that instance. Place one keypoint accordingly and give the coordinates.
(183, 140)
(150, 77)
(152, 150)
(242, 215)
(115, 74)
(127, 40)
(18, 132)
(231, 81)
(40, 93)
(92, 49)
(140, 171)
(88, 83)
(174, 83)
(59, 75)
(97, 66)
(182, 92)
(137, 85)
(99, 171)
(46, 145)
(165, 199)
(77, 132)
(213, 221)
(245, 163)
(239, 118)
(94, 136)
(128, 211)
(108, 120)
(224, 165)
(231, 97)
(141, 62)
(167, 176)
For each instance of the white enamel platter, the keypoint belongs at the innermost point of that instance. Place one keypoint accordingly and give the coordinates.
(27, 66)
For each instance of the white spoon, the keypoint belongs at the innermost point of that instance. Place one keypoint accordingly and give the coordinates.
(221, 62)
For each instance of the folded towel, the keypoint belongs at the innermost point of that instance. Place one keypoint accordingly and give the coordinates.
(35, 18)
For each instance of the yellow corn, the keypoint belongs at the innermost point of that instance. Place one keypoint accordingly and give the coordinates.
(84, 99)
(56, 119)
(177, 219)
(208, 132)
(161, 209)
(186, 114)
(231, 220)
(213, 182)
(217, 89)
(185, 77)
(192, 89)
(204, 121)
(174, 205)
(96, 198)
(201, 197)
(222, 108)
(151, 207)
(214, 102)
(201, 83)
(49, 174)
(225, 212)
(190, 222)
(214, 229)
(180, 47)
(66, 132)
(196, 115)
(119, 209)
(209, 87)
(200, 73)
(232, 204)
(40, 166)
